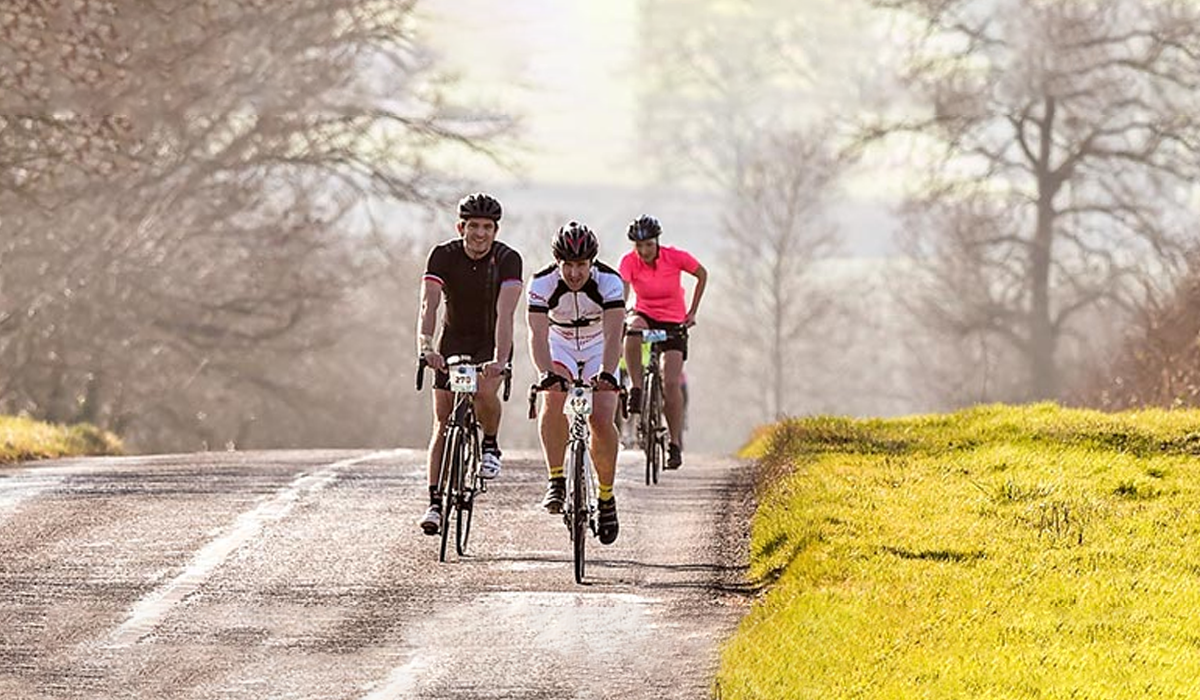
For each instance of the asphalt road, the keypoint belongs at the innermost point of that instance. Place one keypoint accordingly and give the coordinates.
(304, 575)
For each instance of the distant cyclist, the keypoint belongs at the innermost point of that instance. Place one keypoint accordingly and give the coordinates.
(576, 312)
(480, 280)
(653, 272)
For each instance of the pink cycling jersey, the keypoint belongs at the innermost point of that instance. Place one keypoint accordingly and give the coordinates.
(659, 293)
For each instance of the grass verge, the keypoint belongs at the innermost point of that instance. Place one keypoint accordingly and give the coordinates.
(998, 552)
(23, 439)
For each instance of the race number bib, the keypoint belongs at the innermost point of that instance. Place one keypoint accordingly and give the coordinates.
(579, 402)
(462, 379)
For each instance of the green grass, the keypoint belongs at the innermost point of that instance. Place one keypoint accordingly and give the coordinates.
(999, 552)
(23, 439)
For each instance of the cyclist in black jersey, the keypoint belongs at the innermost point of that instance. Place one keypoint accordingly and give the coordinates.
(480, 280)
(576, 317)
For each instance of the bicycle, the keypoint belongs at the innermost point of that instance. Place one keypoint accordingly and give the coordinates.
(652, 429)
(583, 488)
(459, 480)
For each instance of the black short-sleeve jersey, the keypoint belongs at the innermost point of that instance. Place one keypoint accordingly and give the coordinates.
(470, 288)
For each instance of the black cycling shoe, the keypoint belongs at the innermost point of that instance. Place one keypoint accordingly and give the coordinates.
(556, 495)
(609, 528)
(674, 456)
(634, 401)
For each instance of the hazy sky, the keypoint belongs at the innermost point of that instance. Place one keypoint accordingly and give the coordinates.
(566, 66)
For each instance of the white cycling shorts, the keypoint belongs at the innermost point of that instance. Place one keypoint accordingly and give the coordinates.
(567, 354)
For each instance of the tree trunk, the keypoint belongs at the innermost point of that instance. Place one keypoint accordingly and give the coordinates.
(1043, 373)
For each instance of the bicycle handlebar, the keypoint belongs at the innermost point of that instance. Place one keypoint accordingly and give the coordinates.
(422, 365)
(680, 331)
(622, 396)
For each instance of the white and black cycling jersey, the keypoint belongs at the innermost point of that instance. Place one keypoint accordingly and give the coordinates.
(577, 316)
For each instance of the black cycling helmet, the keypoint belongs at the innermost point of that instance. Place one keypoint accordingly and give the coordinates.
(644, 228)
(575, 242)
(479, 206)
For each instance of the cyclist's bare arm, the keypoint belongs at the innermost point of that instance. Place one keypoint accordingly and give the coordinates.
(701, 275)
(614, 324)
(431, 298)
(506, 308)
(539, 341)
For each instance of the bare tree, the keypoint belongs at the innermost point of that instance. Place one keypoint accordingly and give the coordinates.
(715, 76)
(1062, 142)
(1157, 362)
(775, 233)
(186, 191)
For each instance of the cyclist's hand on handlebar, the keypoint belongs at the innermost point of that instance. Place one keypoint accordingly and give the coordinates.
(494, 369)
(435, 360)
(604, 381)
(548, 380)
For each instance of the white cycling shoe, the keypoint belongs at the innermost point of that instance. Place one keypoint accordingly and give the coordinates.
(489, 464)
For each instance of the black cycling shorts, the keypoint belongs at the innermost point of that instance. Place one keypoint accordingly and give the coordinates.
(674, 342)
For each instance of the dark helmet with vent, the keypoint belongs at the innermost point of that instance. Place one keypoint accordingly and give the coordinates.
(644, 228)
(574, 241)
(479, 206)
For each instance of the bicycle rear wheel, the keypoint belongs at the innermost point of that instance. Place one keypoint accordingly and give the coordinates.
(450, 480)
(579, 508)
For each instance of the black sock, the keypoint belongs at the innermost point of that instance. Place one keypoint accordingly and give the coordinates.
(434, 496)
(490, 441)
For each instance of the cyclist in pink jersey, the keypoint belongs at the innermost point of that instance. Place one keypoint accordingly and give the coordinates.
(653, 272)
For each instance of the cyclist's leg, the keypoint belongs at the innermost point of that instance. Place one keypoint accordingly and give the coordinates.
(683, 389)
(487, 404)
(553, 429)
(604, 439)
(633, 349)
(604, 431)
(443, 403)
(488, 410)
(673, 394)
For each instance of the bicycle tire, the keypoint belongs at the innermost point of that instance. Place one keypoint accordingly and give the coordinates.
(656, 427)
(448, 485)
(647, 423)
(579, 507)
(467, 491)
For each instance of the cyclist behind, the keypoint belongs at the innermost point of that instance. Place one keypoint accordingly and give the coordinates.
(480, 279)
(576, 312)
(653, 271)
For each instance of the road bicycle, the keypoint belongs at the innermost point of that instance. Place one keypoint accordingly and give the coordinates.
(581, 514)
(459, 480)
(653, 434)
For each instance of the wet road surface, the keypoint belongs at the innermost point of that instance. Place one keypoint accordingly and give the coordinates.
(304, 575)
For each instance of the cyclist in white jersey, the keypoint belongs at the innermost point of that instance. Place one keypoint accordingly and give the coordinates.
(576, 315)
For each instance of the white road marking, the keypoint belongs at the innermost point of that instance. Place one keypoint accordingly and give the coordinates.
(15, 490)
(400, 682)
(150, 611)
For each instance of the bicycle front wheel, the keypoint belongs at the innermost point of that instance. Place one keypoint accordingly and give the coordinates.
(467, 493)
(579, 508)
(646, 423)
(451, 479)
(655, 455)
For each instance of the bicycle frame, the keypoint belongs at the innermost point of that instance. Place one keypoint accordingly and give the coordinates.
(582, 485)
(458, 478)
(651, 423)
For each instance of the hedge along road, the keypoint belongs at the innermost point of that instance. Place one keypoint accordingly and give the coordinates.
(304, 575)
